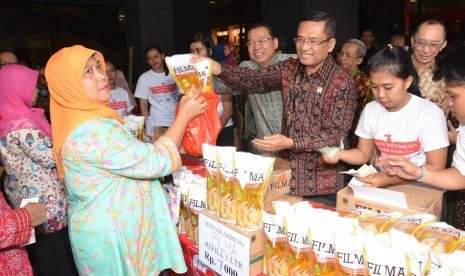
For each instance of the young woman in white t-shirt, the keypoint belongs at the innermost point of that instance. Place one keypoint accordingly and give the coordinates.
(202, 44)
(120, 100)
(399, 122)
(156, 88)
(452, 178)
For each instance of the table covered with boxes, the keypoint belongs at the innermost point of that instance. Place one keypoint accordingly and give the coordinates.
(235, 217)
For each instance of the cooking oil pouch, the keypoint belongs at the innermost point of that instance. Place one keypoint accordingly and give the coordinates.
(323, 226)
(380, 222)
(135, 124)
(299, 244)
(252, 174)
(191, 78)
(196, 198)
(213, 194)
(459, 245)
(180, 174)
(183, 190)
(382, 259)
(411, 223)
(418, 254)
(276, 247)
(225, 184)
(204, 72)
(451, 264)
(440, 236)
(184, 73)
(349, 241)
(355, 213)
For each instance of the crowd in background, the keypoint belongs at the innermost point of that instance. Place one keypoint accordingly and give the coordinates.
(62, 140)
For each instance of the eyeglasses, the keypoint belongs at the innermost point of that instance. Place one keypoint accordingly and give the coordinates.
(260, 42)
(432, 45)
(346, 55)
(299, 41)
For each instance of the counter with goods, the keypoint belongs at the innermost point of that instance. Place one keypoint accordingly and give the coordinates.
(296, 237)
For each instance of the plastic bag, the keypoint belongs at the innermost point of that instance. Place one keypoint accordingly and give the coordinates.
(203, 128)
(191, 77)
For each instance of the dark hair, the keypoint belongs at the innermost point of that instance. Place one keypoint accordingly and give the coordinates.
(158, 49)
(207, 41)
(453, 70)
(368, 29)
(395, 34)
(282, 44)
(264, 25)
(111, 62)
(318, 16)
(395, 60)
(432, 22)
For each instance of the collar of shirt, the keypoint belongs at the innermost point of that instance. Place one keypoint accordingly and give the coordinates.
(324, 72)
(354, 72)
(431, 66)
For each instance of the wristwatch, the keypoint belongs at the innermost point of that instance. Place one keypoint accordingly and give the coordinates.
(422, 175)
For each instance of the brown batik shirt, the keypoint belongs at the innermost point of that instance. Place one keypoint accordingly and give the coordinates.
(317, 111)
(432, 90)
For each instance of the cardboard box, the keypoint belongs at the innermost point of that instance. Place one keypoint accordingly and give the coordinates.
(228, 250)
(278, 185)
(420, 199)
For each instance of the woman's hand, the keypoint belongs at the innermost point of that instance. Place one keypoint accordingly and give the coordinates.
(192, 105)
(376, 180)
(36, 212)
(396, 165)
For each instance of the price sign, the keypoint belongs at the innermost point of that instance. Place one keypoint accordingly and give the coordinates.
(223, 249)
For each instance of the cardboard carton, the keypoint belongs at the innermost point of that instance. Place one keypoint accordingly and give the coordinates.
(228, 250)
(420, 199)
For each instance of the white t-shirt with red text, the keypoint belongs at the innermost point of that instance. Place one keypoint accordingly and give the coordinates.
(162, 94)
(419, 127)
(120, 101)
(459, 154)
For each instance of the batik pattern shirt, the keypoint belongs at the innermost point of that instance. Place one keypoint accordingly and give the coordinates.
(119, 219)
(365, 95)
(263, 111)
(30, 167)
(318, 110)
(15, 232)
(432, 90)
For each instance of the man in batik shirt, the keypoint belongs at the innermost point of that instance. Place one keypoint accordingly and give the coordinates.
(319, 100)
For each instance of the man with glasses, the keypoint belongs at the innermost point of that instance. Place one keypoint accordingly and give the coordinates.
(262, 111)
(428, 40)
(350, 57)
(318, 106)
(7, 58)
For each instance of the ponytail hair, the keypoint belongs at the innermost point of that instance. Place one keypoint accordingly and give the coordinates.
(396, 61)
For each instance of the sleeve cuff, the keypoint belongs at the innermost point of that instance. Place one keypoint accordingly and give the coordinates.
(173, 151)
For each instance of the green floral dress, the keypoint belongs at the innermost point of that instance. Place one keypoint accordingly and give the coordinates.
(119, 220)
